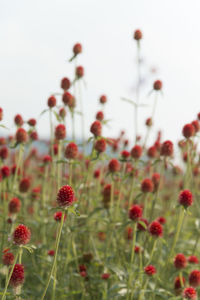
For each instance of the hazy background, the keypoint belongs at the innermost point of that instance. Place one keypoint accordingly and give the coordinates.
(36, 39)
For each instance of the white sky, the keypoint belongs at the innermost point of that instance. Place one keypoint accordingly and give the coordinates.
(36, 39)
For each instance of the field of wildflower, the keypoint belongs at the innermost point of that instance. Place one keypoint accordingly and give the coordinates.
(98, 218)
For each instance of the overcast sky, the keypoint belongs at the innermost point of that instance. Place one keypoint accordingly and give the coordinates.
(36, 39)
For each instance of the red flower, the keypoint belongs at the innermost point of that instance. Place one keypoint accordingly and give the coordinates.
(180, 261)
(32, 122)
(196, 126)
(188, 131)
(194, 278)
(155, 229)
(100, 145)
(96, 128)
(14, 205)
(114, 165)
(190, 293)
(17, 277)
(65, 83)
(47, 159)
(82, 268)
(51, 252)
(177, 283)
(1, 114)
(58, 216)
(51, 102)
(55, 149)
(4, 152)
(60, 132)
(125, 154)
(137, 35)
(103, 99)
(34, 136)
(157, 86)
(140, 226)
(193, 259)
(96, 173)
(149, 122)
(24, 185)
(136, 151)
(147, 186)
(185, 198)
(156, 180)
(67, 99)
(79, 71)
(167, 148)
(99, 116)
(21, 135)
(152, 152)
(77, 49)
(62, 112)
(161, 220)
(71, 151)
(135, 212)
(105, 276)
(5, 171)
(129, 233)
(21, 235)
(8, 259)
(150, 270)
(19, 120)
(65, 196)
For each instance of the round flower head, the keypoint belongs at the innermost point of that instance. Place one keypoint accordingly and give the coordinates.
(185, 198)
(180, 261)
(17, 277)
(167, 148)
(177, 283)
(67, 99)
(103, 99)
(152, 152)
(99, 116)
(51, 252)
(100, 145)
(47, 159)
(21, 235)
(188, 131)
(136, 152)
(51, 102)
(105, 276)
(190, 293)
(140, 225)
(14, 205)
(149, 122)
(5, 171)
(147, 186)
(58, 216)
(24, 185)
(96, 128)
(62, 112)
(71, 151)
(156, 180)
(79, 71)
(8, 259)
(155, 229)
(137, 35)
(32, 122)
(1, 114)
(193, 259)
(65, 196)
(4, 152)
(114, 165)
(21, 135)
(194, 278)
(18, 120)
(65, 84)
(77, 49)
(60, 132)
(125, 154)
(135, 212)
(196, 126)
(150, 270)
(157, 86)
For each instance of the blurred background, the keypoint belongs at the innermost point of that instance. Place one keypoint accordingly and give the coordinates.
(36, 42)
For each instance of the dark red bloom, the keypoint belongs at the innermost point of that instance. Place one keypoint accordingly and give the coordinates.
(152, 152)
(67, 99)
(150, 270)
(71, 151)
(1, 114)
(193, 259)
(190, 293)
(129, 233)
(4, 152)
(180, 261)
(177, 283)
(32, 122)
(82, 268)
(19, 120)
(79, 71)
(8, 259)
(17, 277)
(100, 145)
(149, 122)
(60, 132)
(51, 252)
(97, 173)
(137, 35)
(24, 185)
(157, 85)
(96, 128)
(114, 165)
(105, 276)
(161, 220)
(55, 149)
(196, 126)
(185, 198)
(136, 152)
(21, 235)
(194, 278)
(51, 102)
(34, 136)
(147, 186)
(103, 99)
(188, 131)
(58, 216)
(140, 226)
(65, 83)
(62, 112)
(77, 49)
(65, 196)
(167, 148)
(99, 116)
(155, 229)
(14, 205)
(5, 171)
(156, 180)
(21, 135)
(135, 212)
(47, 159)
(125, 154)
